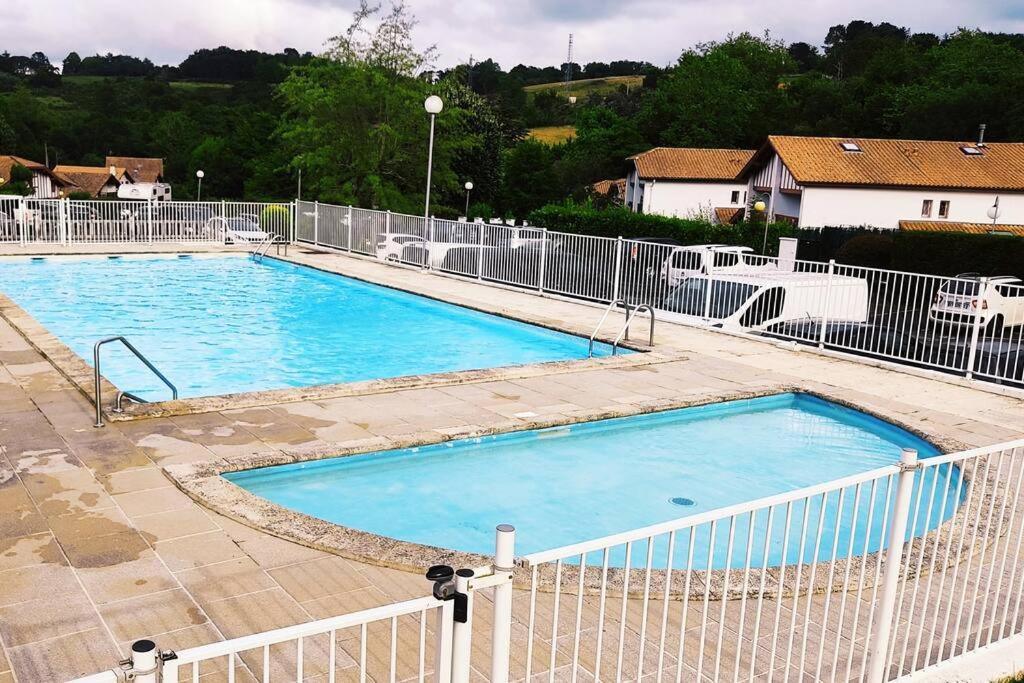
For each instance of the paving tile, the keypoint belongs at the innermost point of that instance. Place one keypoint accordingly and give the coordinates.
(141, 479)
(129, 579)
(225, 580)
(196, 551)
(49, 617)
(29, 550)
(319, 578)
(105, 551)
(77, 526)
(161, 612)
(165, 526)
(152, 501)
(65, 657)
(255, 612)
(38, 581)
(270, 552)
(66, 491)
(345, 603)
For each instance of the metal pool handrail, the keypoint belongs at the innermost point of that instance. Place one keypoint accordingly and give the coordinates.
(600, 324)
(96, 375)
(624, 332)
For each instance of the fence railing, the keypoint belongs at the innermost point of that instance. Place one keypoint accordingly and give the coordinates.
(871, 577)
(66, 221)
(968, 325)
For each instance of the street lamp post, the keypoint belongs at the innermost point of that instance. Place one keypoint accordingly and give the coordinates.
(199, 188)
(469, 188)
(433, 105)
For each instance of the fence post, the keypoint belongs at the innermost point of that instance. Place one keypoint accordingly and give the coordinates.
(316, 223)
(65, 218)
(828, 303)
(149, 220)
(501, 638)
(462, 631)
(878, 646)
(710, 280)
(543, 259)
(349, 240)
(428, 239)
(480, 255)
(976, 327)
(295, 220)
(618, 269)
(21, 220)
(224, 209)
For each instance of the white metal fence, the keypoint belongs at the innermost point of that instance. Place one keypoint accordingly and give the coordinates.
(867, 578)
(970, 326)
(66, 221)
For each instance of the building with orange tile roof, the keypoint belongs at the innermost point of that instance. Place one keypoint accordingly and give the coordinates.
(880, 183)
(687, 182)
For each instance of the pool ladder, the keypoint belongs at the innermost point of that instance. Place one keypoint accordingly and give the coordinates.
(263, 247)
(631, 313)
(121, 395)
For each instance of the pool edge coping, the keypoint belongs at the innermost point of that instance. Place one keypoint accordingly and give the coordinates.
(203, 482)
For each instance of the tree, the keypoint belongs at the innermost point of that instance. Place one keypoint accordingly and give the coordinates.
(354, 119)
(72, 63)
(20, 182)
(724, 94)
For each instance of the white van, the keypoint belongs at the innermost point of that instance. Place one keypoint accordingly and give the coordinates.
(756, 301)
(700, 259)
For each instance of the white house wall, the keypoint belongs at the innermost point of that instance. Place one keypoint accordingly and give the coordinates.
(686, 200)
(885, 208)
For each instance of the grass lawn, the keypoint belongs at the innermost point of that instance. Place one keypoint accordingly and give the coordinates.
(587, 86)
(552, 135)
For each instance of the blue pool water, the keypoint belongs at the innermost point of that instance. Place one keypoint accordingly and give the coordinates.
(570, 484)
(217, 325)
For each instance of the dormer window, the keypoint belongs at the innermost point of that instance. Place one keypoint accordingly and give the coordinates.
(850, 147)
(971, 151)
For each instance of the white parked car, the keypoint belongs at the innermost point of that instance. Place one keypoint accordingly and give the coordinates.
(998, 304)
(390, 247)
(756, 301)
(700, 259)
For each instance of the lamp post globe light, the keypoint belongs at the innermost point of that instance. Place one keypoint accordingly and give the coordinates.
(469, 188)
(199, 188)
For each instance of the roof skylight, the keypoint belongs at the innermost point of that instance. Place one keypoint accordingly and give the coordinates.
(850, 147)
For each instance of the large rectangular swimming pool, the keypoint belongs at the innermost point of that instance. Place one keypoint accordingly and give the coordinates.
(225, 324)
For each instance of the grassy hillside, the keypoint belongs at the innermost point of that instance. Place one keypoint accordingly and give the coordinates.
(552, 135)
(183, 85)
(587, 86)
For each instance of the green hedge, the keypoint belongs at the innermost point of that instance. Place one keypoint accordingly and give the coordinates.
(935, 253)
(621, 222)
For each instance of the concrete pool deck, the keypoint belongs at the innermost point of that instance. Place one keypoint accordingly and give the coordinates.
(99, 548)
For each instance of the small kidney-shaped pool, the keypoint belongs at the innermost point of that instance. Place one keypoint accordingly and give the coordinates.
(569, 484)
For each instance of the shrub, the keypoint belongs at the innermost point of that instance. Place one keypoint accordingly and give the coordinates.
(934, 253)
(79, 194)
(870, 250)
(621, 222)
(275, 214)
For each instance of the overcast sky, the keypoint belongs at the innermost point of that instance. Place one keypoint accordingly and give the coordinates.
(511, 31)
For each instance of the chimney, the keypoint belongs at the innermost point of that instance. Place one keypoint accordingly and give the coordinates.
(981, 135)
(113, 170)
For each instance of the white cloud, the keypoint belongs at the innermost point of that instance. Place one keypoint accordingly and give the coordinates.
(529, 31)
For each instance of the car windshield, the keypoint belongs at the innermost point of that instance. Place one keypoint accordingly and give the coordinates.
(690, 297)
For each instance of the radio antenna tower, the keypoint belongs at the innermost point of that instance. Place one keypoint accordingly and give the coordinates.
(568, 64)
